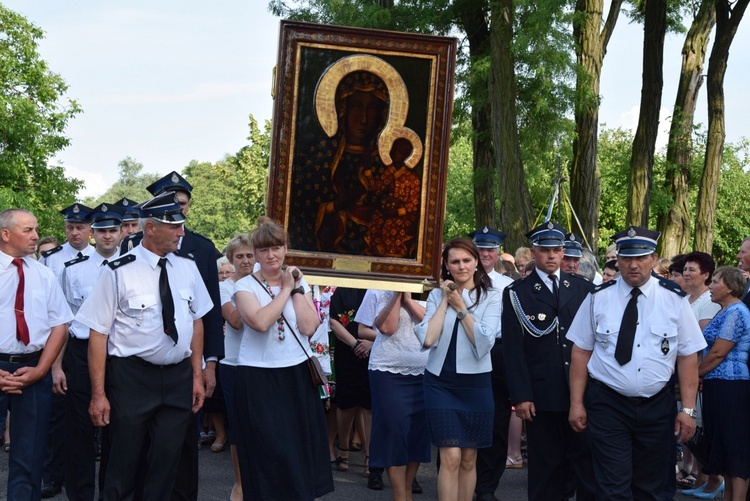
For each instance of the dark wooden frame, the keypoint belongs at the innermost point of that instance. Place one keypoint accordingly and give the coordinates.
(435, 81)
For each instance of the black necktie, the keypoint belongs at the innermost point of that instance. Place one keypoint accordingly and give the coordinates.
(626, 337)
(167, 303)
(554, 286)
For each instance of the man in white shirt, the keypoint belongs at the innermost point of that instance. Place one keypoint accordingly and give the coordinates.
(145, 324)
(28, 346)
(628, 335)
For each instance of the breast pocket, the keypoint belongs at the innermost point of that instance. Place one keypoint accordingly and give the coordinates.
(186, 296)
(664, 337)
(606, 334)
(145, 309)
(38, 309)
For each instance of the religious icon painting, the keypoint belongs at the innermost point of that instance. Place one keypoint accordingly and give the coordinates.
(359, 154)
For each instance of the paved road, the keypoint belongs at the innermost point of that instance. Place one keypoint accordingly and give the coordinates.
(216, 481)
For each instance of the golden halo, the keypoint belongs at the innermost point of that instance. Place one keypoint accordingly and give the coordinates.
(398, 109)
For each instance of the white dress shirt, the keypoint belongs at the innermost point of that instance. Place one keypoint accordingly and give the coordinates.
(499, 282)
(125, 305)
(56, 262)
(43, 303)
(232, 336)
(666, 329)
(77, 281)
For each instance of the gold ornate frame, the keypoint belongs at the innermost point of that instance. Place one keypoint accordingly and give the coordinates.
(418, 71)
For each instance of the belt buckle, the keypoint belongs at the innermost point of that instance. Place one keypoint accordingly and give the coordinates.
(15, 359)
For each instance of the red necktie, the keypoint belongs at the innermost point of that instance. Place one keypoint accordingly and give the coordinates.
(22, 330)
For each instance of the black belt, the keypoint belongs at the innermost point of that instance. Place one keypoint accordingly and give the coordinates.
(146, 363)
(632, 400)
(20, 358)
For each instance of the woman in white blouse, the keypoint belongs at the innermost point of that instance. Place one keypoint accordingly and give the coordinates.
(281, 445)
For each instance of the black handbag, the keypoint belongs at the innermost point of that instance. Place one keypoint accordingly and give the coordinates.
(700, 443)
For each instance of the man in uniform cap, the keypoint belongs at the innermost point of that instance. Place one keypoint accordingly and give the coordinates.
(537, 311)
(491, 460)
(205, 254)
(77, 233)
(78, 280)
(628, 335)
(130, 217)
(33, 312)
(572, 257)
(144, 316)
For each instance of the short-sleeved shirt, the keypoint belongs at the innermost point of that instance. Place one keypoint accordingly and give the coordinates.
(56, 262)
(126, 305)
(44, 305)
(399, 353)
(232, 336)
(666, 329)
(265, 349)
(703, 308)
(77, 281)
(732, 324)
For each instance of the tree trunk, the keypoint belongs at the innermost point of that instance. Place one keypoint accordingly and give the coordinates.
(515, 201)
(728, 17)
(675, 223)
(644, 144)
(591, 46)
(473, 15)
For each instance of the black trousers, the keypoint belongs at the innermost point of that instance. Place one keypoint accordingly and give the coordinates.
(80, 446)
(559, 459)
(491, 460)
(147, 402)
(54, 451)
(630, 442)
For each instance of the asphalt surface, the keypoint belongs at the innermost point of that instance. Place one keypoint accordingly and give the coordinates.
(216, 480)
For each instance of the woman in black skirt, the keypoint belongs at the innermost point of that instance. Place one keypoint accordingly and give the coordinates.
(459, 330)
(281, 439)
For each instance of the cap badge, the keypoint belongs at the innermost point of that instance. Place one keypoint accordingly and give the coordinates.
(175, 179)
(572, 238)
(485, 230)
(76, 209)
(104, 208)
(631, 232)
(125, 203)
(550, 226)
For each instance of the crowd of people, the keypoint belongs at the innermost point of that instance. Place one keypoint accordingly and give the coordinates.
(609, 366)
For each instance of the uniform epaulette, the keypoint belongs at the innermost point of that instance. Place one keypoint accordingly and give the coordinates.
(603, 286)
(514, 283)
(189, 255)
(672, 286)
(48, 253)
(579, 276)
(127, 258)
(77, 260)
(200, 236)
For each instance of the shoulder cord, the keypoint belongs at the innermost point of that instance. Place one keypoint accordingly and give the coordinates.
(591, 314)
(525, 322)
(284, 319)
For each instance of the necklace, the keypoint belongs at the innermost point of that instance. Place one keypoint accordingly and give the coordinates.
(280, 320)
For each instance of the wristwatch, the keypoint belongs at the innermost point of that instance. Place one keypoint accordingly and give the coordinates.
(298, 290)
(690, 412)
(462, 314)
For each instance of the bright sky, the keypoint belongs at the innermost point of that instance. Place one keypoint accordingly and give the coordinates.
(171, 81)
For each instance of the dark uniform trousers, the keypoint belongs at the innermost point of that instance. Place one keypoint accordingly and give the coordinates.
(28, 433)
(491, 460)
(149, 403)
(54, 451)
(630, 433)
(80, 445)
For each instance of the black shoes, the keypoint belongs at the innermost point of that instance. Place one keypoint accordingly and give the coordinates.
(51, 489)
(375, 482)
(415, 487)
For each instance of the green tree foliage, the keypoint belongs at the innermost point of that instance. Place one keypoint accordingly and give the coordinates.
(229, 195)
(459, 210)
(131, 184)
(33, 117)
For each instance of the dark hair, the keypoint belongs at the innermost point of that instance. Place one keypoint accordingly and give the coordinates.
(611, 265)
(678, 264)
(704, 261)
(482, 281)
(47, 240)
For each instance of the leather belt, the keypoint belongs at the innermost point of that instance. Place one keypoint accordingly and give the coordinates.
(20, 358)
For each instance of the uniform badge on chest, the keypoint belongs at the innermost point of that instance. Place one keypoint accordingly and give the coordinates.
(665, 346)
(542, 317)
